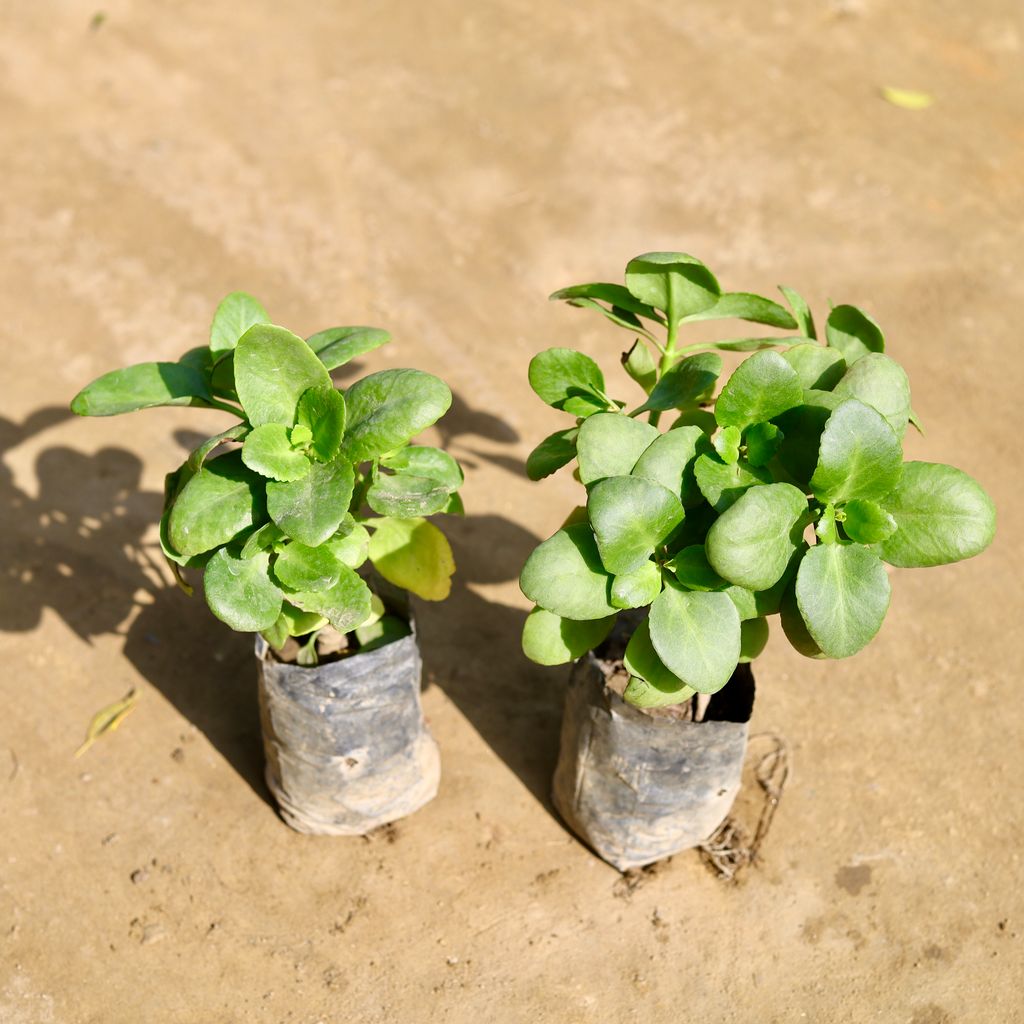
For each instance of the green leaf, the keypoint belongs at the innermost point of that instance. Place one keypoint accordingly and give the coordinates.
(614, 294)
(386, 630)
(697, 636)
(454, 506)
(826, 527)
(548, 639)
(842, 592)
(696, 418)
(753, 639)
(752, 605)
(752, 344)
(268, 451)
(693, 570)
(345, 605)
(222, 377)
(880, 382)
(568, 380)
(215, 505)
(240, 591)
(143, 386)
(687, 383)
(609, 444)
(273, 368)
(669, 459)
(745, 306)
(321, 411)
(277, 634)
(311, 509)
(302, 567)
(722, 484)
(619, 317)
(564, 574)
(296, 622)
(640, 365)
(638, 588)
(867, 523)
(631, 518)
(816, 366)
(414, 555)
(801, 311)
(653, 685)
(859, 455)
(554, 452)
(351, 546)
(853, 332)
(641, 694)
(425, 461)
(727, 443)
(674, 282)
(763, 441)
(795, 628)
(802, 427)
(235, 315)
(197, 458)
(339, 345)
(752, 542)
(406, 496)
(388, 408)
(761, 388)
(942, 515)
(263, 538)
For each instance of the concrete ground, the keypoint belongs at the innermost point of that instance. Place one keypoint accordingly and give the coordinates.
(437, 169)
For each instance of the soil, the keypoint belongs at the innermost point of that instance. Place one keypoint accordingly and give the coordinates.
(438, 169)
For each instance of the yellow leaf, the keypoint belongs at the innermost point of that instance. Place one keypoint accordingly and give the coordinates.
(413, 554)
(909, 99)
(107, 720)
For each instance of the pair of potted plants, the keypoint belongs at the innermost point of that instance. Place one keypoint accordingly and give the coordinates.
(708, 510)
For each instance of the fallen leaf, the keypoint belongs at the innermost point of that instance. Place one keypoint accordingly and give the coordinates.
(108, 719)
(909, 99)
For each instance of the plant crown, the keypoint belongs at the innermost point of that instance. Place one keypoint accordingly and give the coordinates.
(706, 523)
(281, 510)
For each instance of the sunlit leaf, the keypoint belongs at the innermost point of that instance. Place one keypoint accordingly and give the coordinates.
(565, 575)
(549, 639)
(414, 555)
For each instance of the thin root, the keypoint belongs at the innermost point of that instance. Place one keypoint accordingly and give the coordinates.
(731, 848)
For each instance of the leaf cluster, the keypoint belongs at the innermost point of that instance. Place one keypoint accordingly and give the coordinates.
(284, 509)
(780, 491)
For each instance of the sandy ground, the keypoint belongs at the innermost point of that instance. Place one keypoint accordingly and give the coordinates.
(438, 169)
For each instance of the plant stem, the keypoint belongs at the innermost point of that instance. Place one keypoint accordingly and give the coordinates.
(667, 358)
(213, 403)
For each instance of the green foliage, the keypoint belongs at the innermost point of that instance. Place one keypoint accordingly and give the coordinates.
(705, 524)
(141, 387)
(548, 639)
(315, 481)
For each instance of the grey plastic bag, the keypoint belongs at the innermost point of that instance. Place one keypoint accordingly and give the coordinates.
(638, 787)
(346, 745)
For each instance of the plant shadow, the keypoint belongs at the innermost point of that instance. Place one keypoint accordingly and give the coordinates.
(471, 650)
(78, 547)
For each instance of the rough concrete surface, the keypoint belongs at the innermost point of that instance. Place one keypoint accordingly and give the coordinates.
(437, 169)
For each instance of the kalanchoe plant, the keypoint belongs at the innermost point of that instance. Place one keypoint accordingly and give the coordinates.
(310, 483)
(781, 492)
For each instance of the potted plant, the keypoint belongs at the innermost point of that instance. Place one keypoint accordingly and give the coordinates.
(286, 512)
(781, 492)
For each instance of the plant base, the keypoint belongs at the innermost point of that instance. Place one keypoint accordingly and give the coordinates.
(346, 745)
(638, 787)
